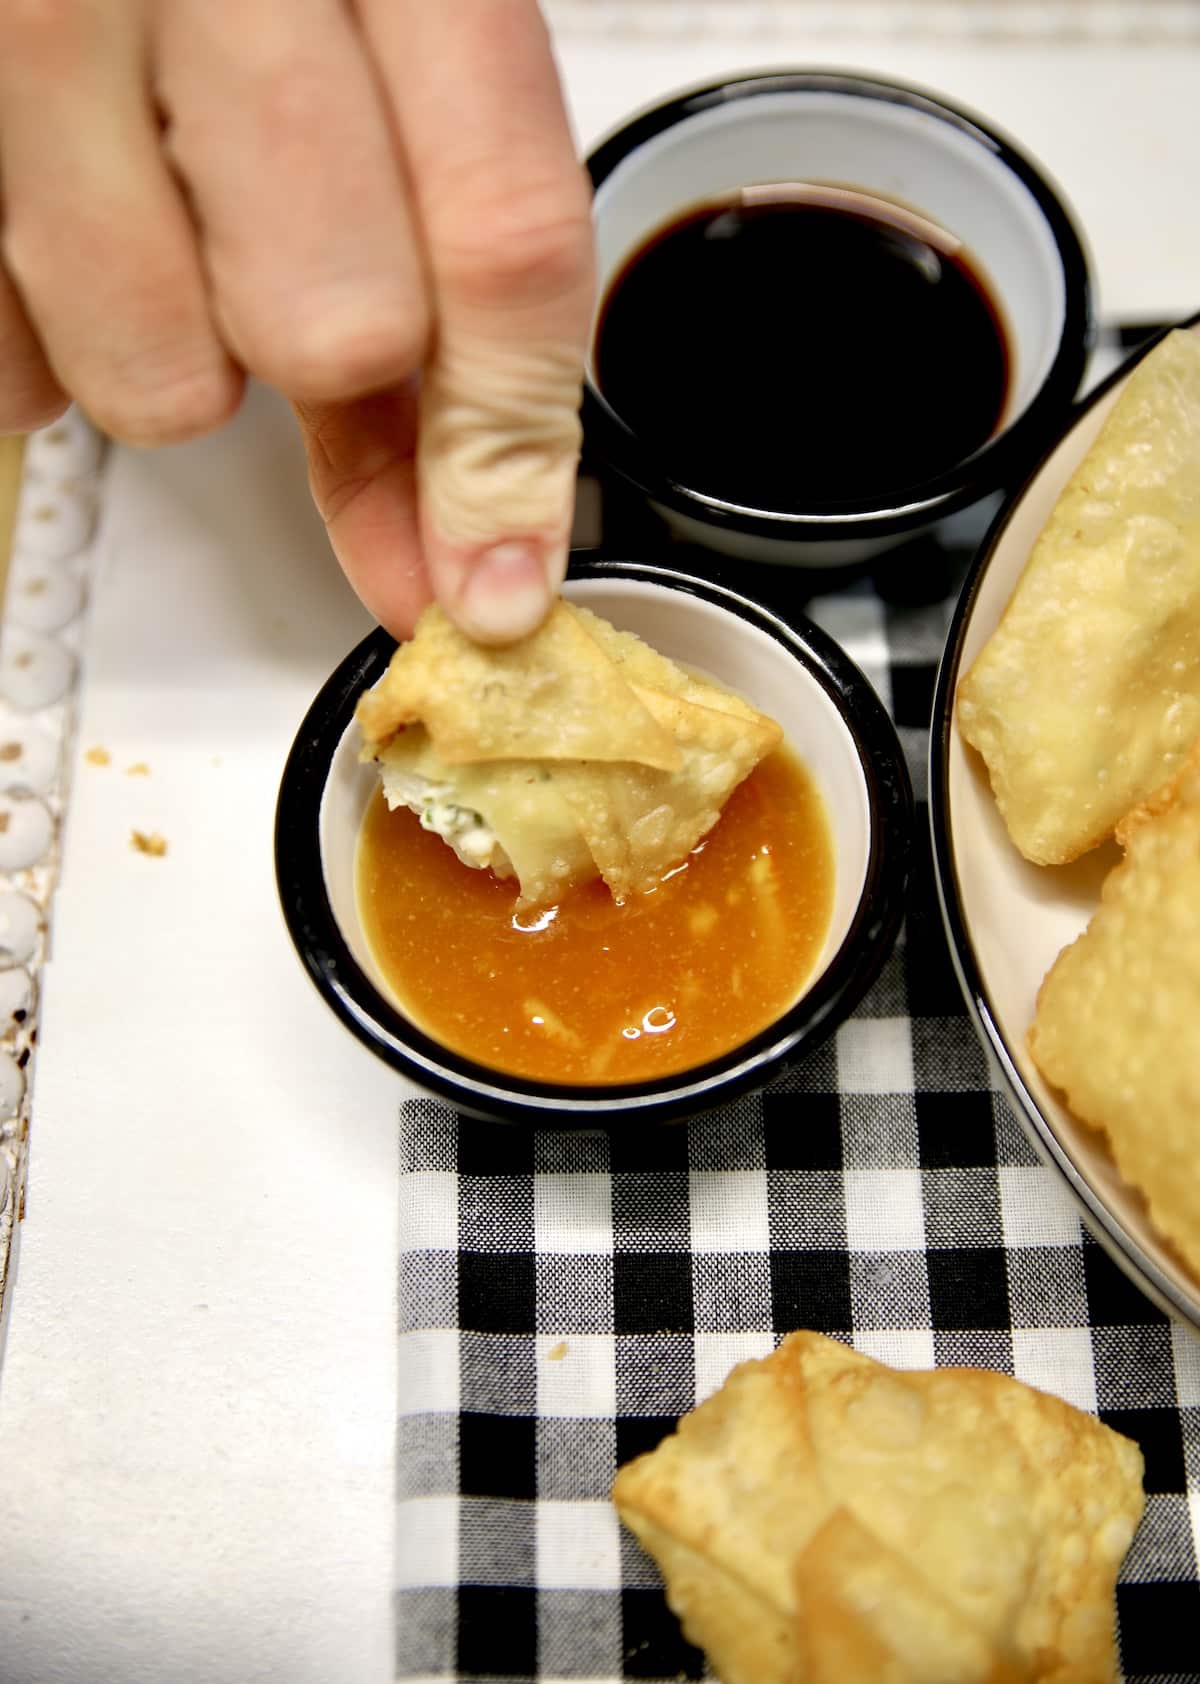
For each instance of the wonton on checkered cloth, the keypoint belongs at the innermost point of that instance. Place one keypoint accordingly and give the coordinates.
(824, 1519)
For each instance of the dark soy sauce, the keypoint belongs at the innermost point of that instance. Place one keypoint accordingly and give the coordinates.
(798, 346)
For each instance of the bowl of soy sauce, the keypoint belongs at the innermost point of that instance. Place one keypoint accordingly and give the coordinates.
(833, 311)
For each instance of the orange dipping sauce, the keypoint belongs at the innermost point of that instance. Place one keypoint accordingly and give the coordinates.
(589, 991)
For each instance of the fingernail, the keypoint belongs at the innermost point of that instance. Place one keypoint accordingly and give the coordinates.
(508, 591)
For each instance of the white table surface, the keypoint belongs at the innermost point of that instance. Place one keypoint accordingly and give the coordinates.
(196, 1403)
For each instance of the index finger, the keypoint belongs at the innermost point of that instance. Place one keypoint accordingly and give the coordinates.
(504, 214)
(362, 477)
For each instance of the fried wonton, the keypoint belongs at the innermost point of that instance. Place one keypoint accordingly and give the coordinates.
(1087, 695)
(1117, 1027)
(578, 753)
(866, 1613)
(825, 1518)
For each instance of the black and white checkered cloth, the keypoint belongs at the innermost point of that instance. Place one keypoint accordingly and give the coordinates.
(565, 1297)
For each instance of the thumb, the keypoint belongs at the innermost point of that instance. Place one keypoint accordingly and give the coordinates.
(498, 447)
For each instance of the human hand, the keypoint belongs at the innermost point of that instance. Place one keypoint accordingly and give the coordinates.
(377, 208)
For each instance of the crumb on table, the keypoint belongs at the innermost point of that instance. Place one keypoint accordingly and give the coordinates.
(139, 769)
(98, 757)
(148, 842)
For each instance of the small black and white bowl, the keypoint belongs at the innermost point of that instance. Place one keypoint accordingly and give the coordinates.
(1007, 920)
(898, 143)
(832, 719)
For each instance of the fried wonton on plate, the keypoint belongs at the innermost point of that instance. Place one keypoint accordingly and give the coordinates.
(1087, 695)
(825, 1518)
(579, 752)
(1117, 1028)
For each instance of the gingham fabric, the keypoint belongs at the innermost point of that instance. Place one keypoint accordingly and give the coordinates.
(564, 1298)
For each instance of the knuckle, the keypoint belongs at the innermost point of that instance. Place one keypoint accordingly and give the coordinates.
(30, 396)
(329, 357)
(26, 406)
(164, 412)
(22, 250)
(531, 246)
(280, 93)
(290, 92)
(38, 19)
(283, 86)
(158, 373)
(31, 248)
(45, 35)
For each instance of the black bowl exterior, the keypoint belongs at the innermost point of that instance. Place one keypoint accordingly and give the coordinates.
(996, 465)
(472, 1087)
(1120, 1245)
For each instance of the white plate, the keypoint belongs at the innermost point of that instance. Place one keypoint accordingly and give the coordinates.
(1007, 920)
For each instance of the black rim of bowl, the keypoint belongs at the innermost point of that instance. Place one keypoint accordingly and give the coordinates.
(998, 463)
(1104, 1224)
(472, 1087)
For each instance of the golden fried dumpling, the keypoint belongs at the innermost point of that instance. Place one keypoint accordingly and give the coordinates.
(1087, 695)
(579, 752)
(823, 1519)
(1117, 1025)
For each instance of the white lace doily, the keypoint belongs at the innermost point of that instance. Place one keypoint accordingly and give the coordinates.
(40, 644)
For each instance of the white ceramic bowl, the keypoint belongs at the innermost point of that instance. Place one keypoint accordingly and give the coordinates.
(1008, 920)
(893, 141)
(831, 717)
